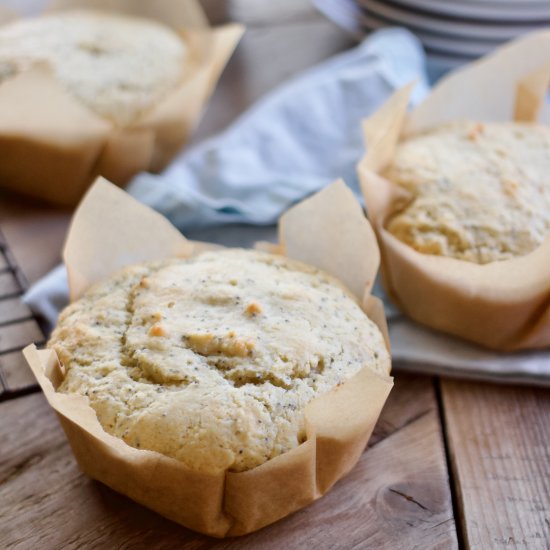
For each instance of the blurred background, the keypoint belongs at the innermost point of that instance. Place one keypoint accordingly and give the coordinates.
(452, 32)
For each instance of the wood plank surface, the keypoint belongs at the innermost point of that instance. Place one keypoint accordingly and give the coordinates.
(13, 309)
(16, 374)
(397, 497)
(19, 335)
(499, 443)
(9, 285)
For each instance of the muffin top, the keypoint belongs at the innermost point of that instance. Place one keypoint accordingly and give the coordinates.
(481, 191)
(212, 360)
(116, 65)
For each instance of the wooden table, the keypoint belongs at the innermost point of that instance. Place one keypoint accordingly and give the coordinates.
(450, 464)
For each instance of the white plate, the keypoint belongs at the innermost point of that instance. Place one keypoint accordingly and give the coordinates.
(345, 14)
(445, 27)
(512, 10)
(466, 48)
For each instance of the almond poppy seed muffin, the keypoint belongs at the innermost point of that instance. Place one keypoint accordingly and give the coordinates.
(481, 191)
(212, 360)
(116, 65)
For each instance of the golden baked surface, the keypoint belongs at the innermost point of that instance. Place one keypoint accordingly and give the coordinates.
(118, 66)
(482, 191)
(212, 360)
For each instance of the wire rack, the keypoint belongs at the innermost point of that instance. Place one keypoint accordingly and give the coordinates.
(18, 328)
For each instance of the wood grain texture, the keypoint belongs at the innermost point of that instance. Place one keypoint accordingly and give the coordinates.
(13, 309)
(19, 335)
(9, 285)
(16, 374)
(499, 443)
(397, 496)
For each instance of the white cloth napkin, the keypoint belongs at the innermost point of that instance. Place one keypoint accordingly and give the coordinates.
(299, 138)
(292, 143)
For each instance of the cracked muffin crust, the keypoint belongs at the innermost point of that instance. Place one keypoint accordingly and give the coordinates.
(481, 191)
(212, 360)
(109, 62)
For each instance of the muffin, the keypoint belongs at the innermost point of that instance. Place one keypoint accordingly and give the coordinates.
(85, 93)
(460, 209)
(212, 360)
(480, 191)
(108, 62)
(258, 378)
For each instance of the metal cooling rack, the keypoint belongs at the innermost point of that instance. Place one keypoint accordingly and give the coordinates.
(18, 328)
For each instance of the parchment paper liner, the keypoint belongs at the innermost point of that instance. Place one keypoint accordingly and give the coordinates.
(53, 146)
(109, 230)
(502, 305)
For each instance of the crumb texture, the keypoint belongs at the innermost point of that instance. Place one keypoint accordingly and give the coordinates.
(118, 66)
(481, 191)
(212, 360)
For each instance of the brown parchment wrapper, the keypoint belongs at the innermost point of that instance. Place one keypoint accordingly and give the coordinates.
(53, 146)
(111, 229)
(502, 305)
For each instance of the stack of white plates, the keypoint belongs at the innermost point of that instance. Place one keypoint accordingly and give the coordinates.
(452, 31)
